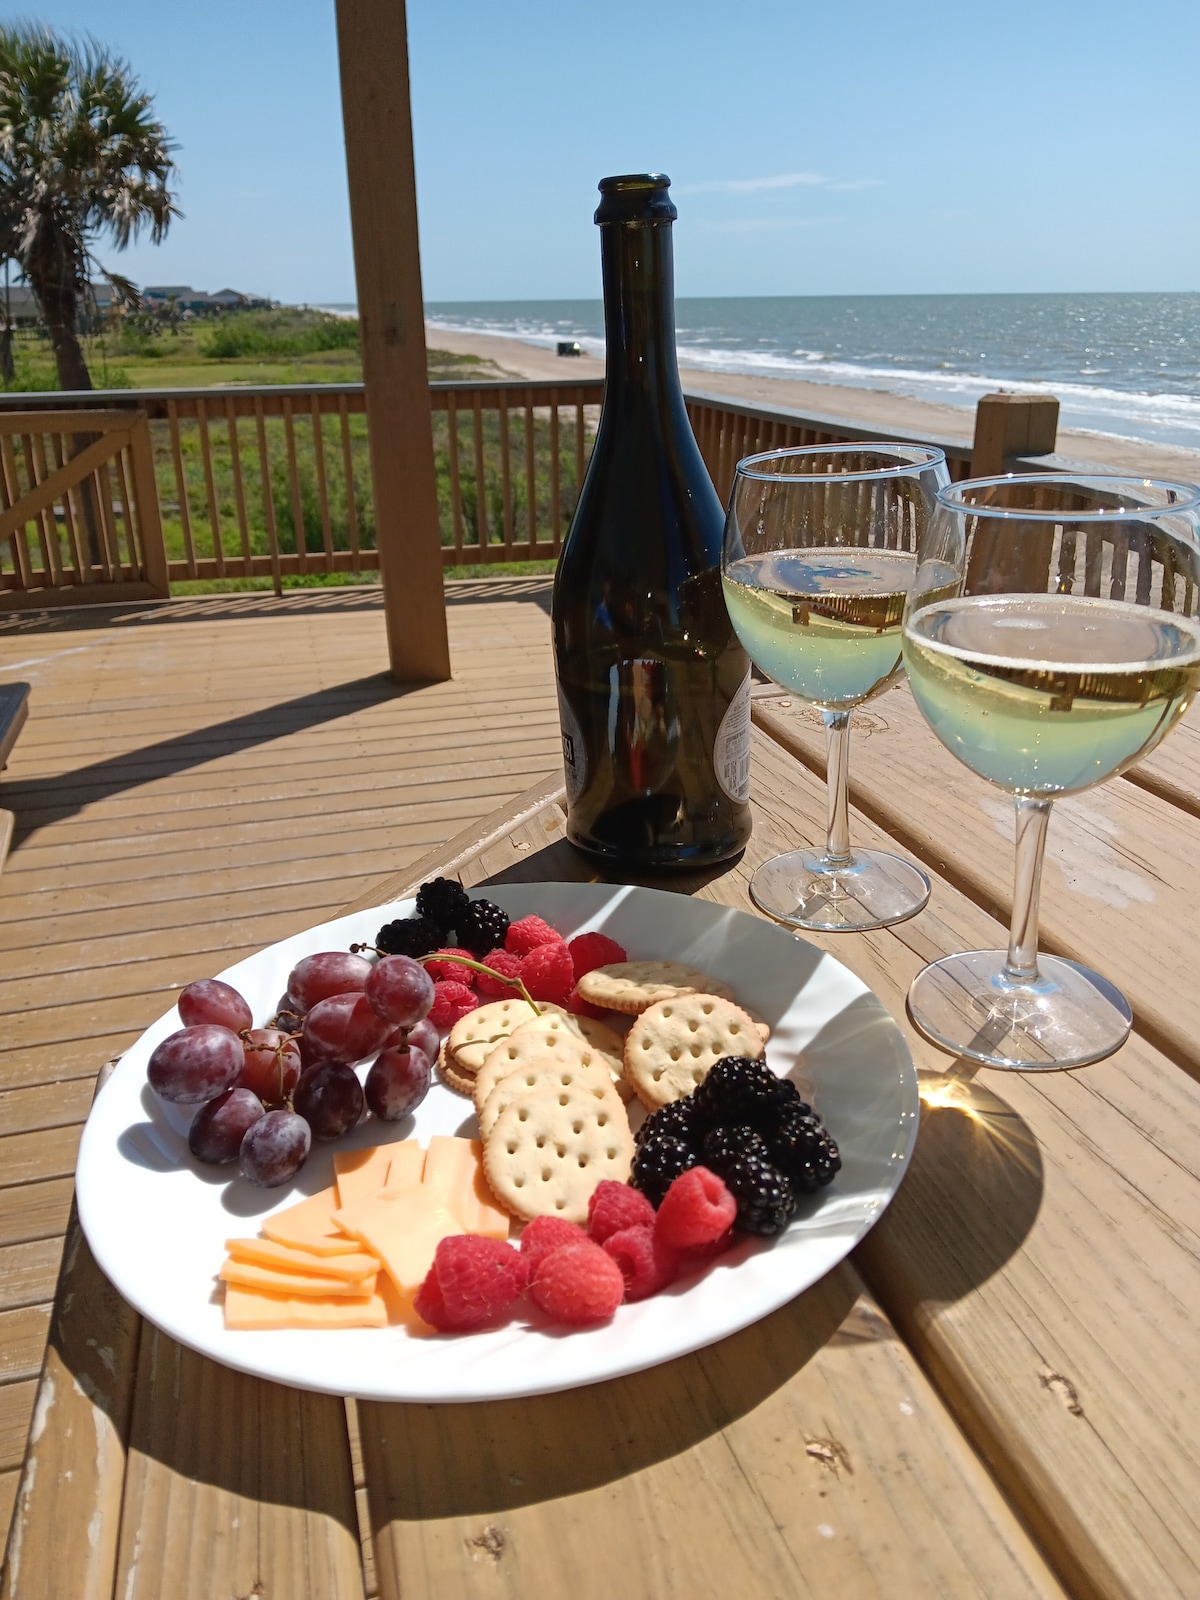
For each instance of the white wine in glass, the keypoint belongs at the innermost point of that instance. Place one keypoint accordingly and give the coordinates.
(1067, 650)
(820, 550)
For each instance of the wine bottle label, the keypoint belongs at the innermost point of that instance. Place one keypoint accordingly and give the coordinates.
(731, 753)
(574, 750)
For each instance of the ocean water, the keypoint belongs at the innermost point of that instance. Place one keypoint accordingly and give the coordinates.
(1122, 364)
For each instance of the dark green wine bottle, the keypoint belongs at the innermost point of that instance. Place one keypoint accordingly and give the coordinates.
(653, 685)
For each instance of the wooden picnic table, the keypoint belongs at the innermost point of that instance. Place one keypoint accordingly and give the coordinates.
(995, 1395)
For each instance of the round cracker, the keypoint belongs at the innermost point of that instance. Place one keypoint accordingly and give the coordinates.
(473, 1037)
(632, 986)
(548, 1077)
(596, 1034)
(459, 1082)
(531, 1049)
(672, 1045)
(548, 1153)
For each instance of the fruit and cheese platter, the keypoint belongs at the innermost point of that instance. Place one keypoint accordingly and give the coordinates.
(496, 1144)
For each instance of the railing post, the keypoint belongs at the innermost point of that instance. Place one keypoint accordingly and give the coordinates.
(373, 57)
(1012, 425)
(145, 494)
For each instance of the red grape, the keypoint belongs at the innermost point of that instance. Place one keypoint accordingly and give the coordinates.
(219, 1127)
(330, 1099)
(332, 972)
(400, 990)
(397, 1082)
(275, 1148)
(210, 1000)
(196, 1064)
(343, 1028)
(272, 1065)
(422, 1036)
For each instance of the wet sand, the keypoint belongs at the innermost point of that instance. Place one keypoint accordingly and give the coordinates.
(872, 408)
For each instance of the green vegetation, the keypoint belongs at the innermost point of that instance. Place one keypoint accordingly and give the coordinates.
(81, 155)
(287, 345)
(292, 457)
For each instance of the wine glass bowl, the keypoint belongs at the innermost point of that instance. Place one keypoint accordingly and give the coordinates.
(819, 552)
(1051, 640)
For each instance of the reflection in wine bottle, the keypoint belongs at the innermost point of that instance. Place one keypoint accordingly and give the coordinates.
(645, 740)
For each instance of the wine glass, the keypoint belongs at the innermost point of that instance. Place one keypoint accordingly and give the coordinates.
(1051, 640)
(820, 549)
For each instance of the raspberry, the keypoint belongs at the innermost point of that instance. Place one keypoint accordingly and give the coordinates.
(501, 961)
(580, 1007)
(592, 950)
(702, 1254)
(695, 1210)
(647, 1263)
(526, 935)
(544, 1234)
(450, 971)
(547, 972)
(451, 1000)
(578, 1284)
(472, 1280)
(614, 1206)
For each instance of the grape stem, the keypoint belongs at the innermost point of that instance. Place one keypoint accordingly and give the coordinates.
(463, 961)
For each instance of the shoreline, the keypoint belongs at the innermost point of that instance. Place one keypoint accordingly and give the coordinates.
(873, 408)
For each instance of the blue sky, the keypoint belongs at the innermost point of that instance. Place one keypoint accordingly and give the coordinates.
(855, 148)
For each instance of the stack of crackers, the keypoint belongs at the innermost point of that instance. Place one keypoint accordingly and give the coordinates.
(550, 1088)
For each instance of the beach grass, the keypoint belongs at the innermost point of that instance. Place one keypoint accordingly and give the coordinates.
(229, 511)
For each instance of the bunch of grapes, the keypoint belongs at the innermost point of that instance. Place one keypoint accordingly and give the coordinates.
(264, 1094)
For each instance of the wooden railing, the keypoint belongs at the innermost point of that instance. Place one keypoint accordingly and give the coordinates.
(273, 482)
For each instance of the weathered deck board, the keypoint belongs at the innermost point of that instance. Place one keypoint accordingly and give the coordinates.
(174, 790)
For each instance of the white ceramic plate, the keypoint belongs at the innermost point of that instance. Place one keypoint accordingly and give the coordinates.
(157, 1220)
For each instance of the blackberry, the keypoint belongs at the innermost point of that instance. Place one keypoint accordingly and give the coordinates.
(740, 1090)
(442, 901)
(723, 1146)
(658, 1163)
(678, 1119)
(481, 928)
(409, 936)
(765, 1201)
(803, 1151)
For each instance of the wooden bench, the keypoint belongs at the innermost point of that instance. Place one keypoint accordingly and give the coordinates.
(14, 708)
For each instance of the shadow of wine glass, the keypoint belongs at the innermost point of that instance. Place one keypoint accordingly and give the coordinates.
(968, 1201)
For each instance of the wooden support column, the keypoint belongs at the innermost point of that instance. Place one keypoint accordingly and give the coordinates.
(1012, 425)
(373, 56)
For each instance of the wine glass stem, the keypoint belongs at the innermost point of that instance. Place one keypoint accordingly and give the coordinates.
(837, 781)
(1032, 819)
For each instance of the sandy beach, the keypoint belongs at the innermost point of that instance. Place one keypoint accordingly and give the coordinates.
(873, 408)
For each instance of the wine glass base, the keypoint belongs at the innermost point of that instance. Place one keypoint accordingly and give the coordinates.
(1067, 1018)
(873, 891)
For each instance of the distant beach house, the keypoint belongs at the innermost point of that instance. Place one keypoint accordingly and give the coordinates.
(19, 304)
(198, 300)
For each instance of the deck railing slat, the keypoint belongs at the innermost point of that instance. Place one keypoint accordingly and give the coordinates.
(210, 485)
(239, 491)
(185, 516)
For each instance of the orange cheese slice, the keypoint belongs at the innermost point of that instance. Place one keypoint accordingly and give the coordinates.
(454, 1174)
(283, 1258)
(404, 1231)
(361, 1172)
(309, 1225)
(256, 1308)
(252, 1276)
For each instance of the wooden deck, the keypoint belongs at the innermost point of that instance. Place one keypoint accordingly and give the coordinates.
(196, 780)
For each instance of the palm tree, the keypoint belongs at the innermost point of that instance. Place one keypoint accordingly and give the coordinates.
(81, 154)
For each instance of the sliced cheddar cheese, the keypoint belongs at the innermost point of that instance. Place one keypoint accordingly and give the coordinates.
(309, 1225)
(256, 1308)
(454, 1174)
(283, 1258)
(403, 1231)
(252, 1276)
(361, 1172)
(408, 1164)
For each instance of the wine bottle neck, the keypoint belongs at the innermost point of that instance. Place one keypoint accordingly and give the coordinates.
(639, 307)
